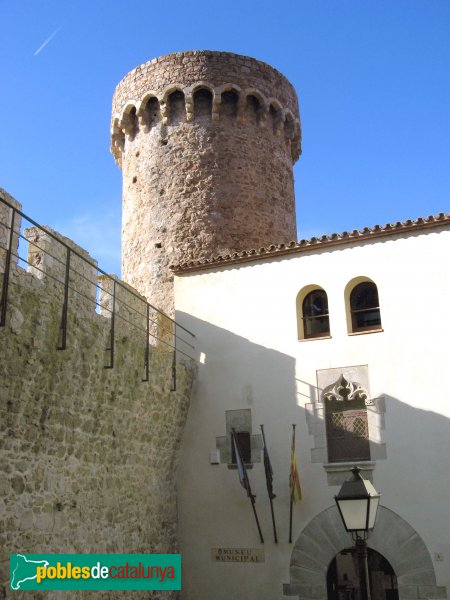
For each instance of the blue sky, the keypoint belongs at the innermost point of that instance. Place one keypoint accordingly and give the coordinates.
(373, 79)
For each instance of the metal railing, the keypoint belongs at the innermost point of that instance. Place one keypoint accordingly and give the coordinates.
(89, 284)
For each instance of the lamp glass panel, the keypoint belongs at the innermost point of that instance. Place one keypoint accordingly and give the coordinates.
(374, 501)
(354, 513)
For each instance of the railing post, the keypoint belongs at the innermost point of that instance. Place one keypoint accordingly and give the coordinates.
(173, 386)
(5, 285)
(65, 308)
(111, 337)
(147, 347)
(45, 259)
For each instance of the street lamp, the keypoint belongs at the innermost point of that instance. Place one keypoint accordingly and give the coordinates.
(357, 503)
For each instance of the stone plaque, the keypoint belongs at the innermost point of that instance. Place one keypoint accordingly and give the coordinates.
(239, 555)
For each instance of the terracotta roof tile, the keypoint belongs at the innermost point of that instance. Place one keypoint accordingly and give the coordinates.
(325, 240)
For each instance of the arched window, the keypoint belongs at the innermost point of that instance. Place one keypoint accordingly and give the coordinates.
(316, 321)
(365, 307)
(130, 123)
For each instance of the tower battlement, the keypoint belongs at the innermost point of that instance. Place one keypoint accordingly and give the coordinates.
(206, 142)
(203, 100)
(204, 65)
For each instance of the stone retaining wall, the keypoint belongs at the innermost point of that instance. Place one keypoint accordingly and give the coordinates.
(88, 454)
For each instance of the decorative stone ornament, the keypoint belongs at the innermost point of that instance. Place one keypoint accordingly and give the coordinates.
(344, 390)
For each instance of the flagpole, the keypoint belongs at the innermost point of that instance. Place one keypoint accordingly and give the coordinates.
(252, 498)
(275, 538)
(292, 488)
(290, 521)
(247, 483)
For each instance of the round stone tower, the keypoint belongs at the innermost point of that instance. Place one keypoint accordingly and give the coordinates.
(206, 141)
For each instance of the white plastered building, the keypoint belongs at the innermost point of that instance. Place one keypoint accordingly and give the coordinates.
(285, 342)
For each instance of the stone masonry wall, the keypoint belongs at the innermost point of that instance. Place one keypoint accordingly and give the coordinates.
(206, 141)
(184, 68)
(88, 454)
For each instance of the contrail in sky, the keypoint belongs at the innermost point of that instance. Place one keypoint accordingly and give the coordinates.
(47, 41)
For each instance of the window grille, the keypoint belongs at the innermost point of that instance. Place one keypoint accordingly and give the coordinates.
(346, 422)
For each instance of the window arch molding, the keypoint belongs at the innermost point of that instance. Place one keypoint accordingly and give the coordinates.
(349, 295)
(303, 318)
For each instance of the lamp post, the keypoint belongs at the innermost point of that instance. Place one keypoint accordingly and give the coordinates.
(357, 503)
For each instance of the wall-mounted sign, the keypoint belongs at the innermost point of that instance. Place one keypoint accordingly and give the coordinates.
(239, 555)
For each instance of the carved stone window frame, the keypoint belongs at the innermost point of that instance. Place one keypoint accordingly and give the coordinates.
(241, 421)
(358, 376)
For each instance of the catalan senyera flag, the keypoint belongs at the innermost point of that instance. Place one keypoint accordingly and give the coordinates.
(294, 477)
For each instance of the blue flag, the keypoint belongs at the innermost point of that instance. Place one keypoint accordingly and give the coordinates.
(242, 471)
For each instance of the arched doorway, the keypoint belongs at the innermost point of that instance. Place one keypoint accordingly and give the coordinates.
(343, 577)
(324, 537)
